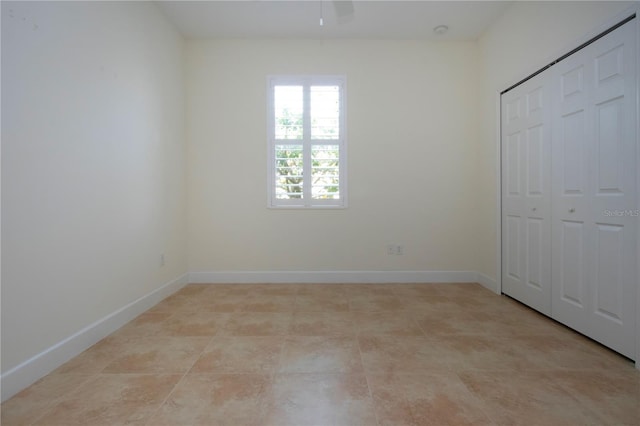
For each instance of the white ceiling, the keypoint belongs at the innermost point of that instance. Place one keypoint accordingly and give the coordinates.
(392, 19)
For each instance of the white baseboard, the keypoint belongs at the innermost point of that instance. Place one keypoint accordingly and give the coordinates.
(330, 277)
(28, 372)
(488, 282)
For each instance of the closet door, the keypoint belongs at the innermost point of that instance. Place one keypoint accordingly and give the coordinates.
(526, 193)
(594, 190)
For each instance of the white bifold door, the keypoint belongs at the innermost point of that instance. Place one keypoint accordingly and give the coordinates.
(526, 193)
(569, 216)
(594, 190)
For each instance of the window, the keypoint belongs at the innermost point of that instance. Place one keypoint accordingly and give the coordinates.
(306, 133)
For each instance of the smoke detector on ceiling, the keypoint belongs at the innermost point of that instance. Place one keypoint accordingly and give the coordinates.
(441, 29)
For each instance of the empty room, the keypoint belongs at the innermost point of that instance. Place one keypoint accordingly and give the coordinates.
(320, 213)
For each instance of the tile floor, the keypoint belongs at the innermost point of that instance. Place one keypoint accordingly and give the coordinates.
(399, 354)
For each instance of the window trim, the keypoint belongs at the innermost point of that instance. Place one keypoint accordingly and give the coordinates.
(307, 202)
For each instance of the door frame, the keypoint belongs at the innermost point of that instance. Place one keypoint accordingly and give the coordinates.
(609, 23)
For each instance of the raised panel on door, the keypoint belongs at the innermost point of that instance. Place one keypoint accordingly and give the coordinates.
(535, 161)
(535, 253)
(574, 161)
(613, 306)
(610, 160)
(526, 193)
(570, 287)
(513, 171)
(609, 288)
(513, 248)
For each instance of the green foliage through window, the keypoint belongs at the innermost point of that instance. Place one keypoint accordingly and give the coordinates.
(307, 141)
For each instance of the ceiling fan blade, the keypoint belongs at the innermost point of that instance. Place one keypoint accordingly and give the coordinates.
(344, 9)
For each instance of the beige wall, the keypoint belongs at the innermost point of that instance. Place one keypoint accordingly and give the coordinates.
(525, 38)
(93, 165)
(412, 117)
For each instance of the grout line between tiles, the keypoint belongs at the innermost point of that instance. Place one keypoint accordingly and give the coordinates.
(151, 416)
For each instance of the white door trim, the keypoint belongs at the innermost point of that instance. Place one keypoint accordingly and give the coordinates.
(637, 10)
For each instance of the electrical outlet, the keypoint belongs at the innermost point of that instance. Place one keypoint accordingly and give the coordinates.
(395, 250)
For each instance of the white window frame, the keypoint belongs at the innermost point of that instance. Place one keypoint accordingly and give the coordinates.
(306, 81)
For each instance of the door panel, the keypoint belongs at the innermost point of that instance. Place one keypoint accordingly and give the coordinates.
(572, 83)
(609, 150)
(594, 235)
(572, 279)
(513, 164)
(535, 253)
(609, 290)
(526, 193)
(513, 247)
(573, 153)
(535, 161)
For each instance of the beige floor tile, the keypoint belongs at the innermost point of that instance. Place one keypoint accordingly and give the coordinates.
(464, 289)
(177, 302)
(215, 399)
(374, 302)
(391, 353)
(538, 324)
(554, 351)
(324, 290)
(427, 303)
(321, 302)
(480, 352)
(425, 399)
(323, 324)
(169, 355)
(442, 323)
(326, 354)
(30, 404)
(513, 321)
(263, 289)
(613, 396)
(523, 398)
(193, 290)
(94, 359)
(484, 303)
(186, 324)
(258, 355)
(320, 354)
(318, 400)
(509, 308)
(147, 324)
(276, 289)
(111, 400)
(384, 322)
(418, 290)
(267, 302)
(227, 289)
(258, 324)
(370, 289)
(179, 324)
(224, 302)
